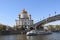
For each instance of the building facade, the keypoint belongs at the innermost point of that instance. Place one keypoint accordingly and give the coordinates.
(24, 20)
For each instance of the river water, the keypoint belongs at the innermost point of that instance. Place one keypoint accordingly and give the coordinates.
(54, 36)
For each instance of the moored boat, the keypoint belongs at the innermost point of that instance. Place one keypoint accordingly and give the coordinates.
(34, 32)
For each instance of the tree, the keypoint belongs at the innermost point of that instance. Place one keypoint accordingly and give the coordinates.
(1, 27)
(51, 27)
(57, 27)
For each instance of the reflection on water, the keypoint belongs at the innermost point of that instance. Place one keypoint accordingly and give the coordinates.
(6, 37)
(54, 36)
(21, 37)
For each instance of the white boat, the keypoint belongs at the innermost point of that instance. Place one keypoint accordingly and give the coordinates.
(34, 32)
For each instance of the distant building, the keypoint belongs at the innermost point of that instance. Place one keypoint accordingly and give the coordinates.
(24, 20)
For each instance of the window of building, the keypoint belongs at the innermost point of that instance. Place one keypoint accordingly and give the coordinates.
(28, 22)
(25, 23)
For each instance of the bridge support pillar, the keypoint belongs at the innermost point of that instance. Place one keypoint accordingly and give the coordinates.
(39, 28)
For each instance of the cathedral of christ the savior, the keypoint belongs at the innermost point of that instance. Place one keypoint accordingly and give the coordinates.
(24, 20)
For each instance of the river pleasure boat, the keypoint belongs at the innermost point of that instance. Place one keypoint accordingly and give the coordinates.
(36, 32)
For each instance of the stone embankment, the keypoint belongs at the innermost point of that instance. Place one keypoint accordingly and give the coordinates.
(12, 32)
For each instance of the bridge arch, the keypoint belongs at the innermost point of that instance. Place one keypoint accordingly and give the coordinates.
(47, 20)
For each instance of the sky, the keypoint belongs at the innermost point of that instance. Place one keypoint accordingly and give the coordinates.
(39, 9)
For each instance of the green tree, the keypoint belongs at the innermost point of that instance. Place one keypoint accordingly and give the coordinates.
(1, 27)
(58, 27)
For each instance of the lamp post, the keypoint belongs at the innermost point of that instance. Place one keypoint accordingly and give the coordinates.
(49, 15)
(55, 12)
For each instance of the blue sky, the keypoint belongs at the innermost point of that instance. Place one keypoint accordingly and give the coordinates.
(9, 9)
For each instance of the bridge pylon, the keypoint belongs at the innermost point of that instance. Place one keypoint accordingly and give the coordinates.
(39, 28)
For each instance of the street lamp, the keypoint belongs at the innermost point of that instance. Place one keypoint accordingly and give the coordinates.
(55, 12)
(49, 15)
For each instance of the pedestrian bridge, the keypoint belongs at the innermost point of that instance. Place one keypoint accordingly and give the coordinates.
(47, 20)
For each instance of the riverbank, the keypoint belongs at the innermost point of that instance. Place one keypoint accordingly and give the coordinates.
(12, 32)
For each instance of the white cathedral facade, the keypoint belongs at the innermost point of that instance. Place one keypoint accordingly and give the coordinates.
(24, 20)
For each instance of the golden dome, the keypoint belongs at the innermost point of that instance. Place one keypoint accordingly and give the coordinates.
(23, 11)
